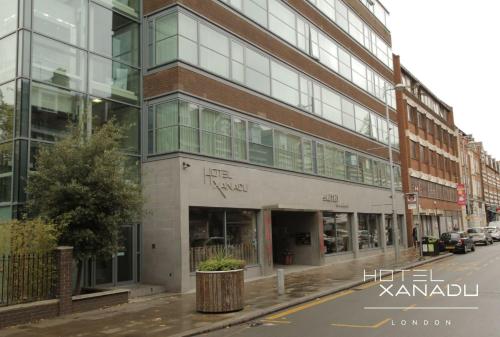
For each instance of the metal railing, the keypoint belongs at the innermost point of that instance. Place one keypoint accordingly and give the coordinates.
(27, 278)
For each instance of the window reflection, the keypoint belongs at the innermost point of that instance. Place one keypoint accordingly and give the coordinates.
(336, 232)
(51, 111)
(7, 92)
(8, 58)
(114, 35)
(8, 17)
(65, 20)
(115, 80)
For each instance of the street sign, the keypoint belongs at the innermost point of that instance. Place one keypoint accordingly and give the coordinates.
(462, 198)
(411, 200)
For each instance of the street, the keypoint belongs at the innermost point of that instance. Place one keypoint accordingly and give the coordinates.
(385, 309)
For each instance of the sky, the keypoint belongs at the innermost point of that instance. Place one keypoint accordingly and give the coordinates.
(453, 48)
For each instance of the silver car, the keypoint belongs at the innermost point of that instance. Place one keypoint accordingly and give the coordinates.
(480, 235)
(495, 233)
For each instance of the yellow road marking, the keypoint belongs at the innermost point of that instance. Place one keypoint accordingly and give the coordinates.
(308, 305)
(374, 326)
(411, 306)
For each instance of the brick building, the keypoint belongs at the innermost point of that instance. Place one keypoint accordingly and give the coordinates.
(266, 134)
(429, 152)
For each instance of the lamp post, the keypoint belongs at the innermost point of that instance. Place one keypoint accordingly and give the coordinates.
(395, 229)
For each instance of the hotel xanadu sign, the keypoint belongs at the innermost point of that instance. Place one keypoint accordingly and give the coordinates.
(222, 181)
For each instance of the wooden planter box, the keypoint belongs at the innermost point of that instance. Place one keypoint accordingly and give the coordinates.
(219, 291)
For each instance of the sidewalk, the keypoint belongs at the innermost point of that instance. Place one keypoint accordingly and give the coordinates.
(167, 314)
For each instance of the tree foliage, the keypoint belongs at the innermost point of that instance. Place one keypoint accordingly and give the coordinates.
(29, 236)
(81, 184)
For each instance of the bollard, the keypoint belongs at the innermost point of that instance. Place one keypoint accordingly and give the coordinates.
(280, 281)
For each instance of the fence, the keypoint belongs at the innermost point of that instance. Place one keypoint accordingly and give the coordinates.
(27, 278)
(243, 251)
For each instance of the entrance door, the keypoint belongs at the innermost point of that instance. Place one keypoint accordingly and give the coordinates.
(123, 267)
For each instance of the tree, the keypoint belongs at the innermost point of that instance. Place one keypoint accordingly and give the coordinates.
(81, 185)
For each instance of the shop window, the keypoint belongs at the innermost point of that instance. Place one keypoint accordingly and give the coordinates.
(368, 231)
(336, 233)
(215, 232)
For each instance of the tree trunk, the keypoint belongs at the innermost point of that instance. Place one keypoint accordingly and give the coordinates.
(78, 286)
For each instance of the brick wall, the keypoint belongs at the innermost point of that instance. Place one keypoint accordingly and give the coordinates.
(94, 301)
(24, 313)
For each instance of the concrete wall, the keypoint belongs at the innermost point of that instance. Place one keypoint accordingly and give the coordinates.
(171, 188)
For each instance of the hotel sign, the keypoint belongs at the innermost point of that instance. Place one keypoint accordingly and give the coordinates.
(222, 181)
(334, 199)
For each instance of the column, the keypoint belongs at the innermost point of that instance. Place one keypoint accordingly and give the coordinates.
(64, 260)
(383, 238)
(354, 230)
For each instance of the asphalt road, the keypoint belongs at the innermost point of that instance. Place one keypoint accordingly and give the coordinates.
(369, 310)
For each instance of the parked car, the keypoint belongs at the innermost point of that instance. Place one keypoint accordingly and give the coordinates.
(457, 242)
(480, 235)
(495, 233)
(494, 224)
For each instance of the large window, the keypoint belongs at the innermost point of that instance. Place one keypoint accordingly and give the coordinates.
(59, 64)
(336, 232)
(5, 171)
(62, 19)
(8, 58)
(130, 7)
(179, 125)
(368, 231)
(114, 35)
(126, 116)
(216, 231)
(8, 17)
(113, 80)
(214, 51)
(7, 103)
(261, 144)
(51, 111)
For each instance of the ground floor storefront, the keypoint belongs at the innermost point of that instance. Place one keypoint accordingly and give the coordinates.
(198, 208)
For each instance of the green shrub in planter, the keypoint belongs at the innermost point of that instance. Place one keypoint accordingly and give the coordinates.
(221, 264)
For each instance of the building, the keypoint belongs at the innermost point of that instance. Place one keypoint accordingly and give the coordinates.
(429, 149)
(64, 61)
(266, 134)
(490, 169)
(474, 212)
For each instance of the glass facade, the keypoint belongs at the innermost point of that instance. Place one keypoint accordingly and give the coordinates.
(179, 125)
(308, 38)
(369, 231)
(77, 61)
(226, 56)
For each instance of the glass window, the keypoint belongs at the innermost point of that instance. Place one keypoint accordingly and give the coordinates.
(345, 64)
(287, 151)
(189, 129)
(334, 162)
(359, 73)
(65, 20)
(188, 37)
(163, 126)
(51, 111)
(257, 72)
(5, 171)
(165, 39)
(328, 53)
(126, 117)
(285, 84)
(216, 133)
(239, 139)
(341, 15)
(307, 152)
(256, 10)
(282, 21)
(130, 7)
(59, 64)
(8, 58)
(320, 159)
(362, 120)
(348, 114)
(213, 232)
(261, 144)
(110, 79)
(331, 106)
(366, 170)
(336, 232)
(8, 17)
(114, 35)
(368, 232)
(352, 167)
(237, 63)
(7, 105)
(214, 51)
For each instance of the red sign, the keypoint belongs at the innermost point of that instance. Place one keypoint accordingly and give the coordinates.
(462, 198)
